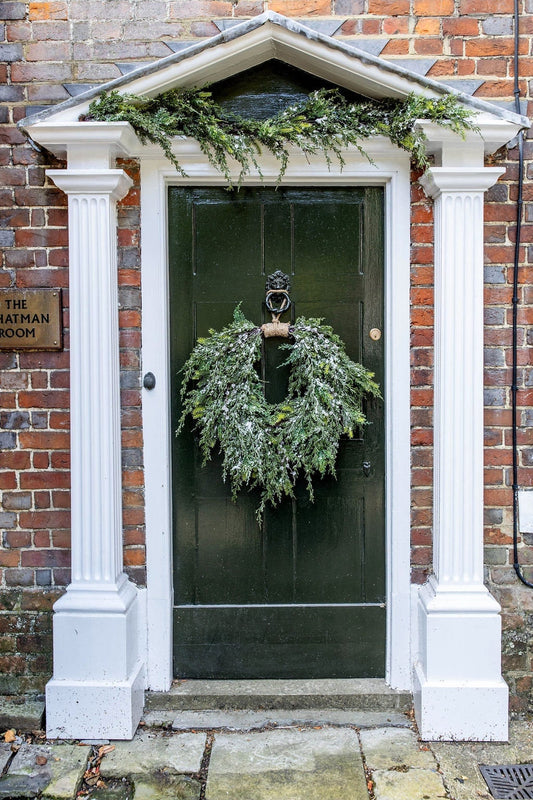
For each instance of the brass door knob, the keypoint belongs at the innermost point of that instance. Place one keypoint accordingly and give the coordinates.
(375, 334)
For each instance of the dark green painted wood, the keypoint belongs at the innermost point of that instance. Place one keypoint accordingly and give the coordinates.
(234, 581)
(269, 88)
(252, 642)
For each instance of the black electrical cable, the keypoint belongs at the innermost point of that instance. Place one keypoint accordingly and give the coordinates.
(515, 301)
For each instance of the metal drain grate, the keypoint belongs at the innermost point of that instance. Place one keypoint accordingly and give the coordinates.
(509, 781)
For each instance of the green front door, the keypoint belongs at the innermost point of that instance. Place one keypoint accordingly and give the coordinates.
(304, 595)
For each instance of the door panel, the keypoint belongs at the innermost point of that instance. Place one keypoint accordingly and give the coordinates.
(306, 591)
(289, 643)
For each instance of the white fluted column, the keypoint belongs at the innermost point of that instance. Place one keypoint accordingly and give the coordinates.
(98, 682)
(459, 691)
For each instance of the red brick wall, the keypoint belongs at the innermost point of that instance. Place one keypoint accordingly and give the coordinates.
(49, 43)
(421, 381)
(500, 237)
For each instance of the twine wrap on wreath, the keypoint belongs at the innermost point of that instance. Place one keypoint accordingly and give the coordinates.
(276, 328)
(268, 446)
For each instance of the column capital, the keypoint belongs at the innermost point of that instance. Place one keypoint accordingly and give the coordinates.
(112, 182)
(452, 149)
(437, 180)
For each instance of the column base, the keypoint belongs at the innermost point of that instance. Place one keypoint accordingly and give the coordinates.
(459, 692)
(97, 690)
(461, 712)
(92, 710)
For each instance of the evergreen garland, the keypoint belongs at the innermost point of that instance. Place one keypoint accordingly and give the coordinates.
(324, 123)
(267, 445)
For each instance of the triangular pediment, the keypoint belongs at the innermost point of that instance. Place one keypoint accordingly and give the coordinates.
(265, 38)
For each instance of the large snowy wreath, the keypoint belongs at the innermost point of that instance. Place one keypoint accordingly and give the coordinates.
(268, 445)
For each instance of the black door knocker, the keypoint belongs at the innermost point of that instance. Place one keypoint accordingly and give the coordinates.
(277, 301)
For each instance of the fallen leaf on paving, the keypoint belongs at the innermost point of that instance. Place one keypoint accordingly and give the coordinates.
(10, 736)
(105, 748)
(41, 760)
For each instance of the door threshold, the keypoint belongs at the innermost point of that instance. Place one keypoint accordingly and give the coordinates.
(358, 694)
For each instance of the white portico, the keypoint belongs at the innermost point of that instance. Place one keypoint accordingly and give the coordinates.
(448, 650)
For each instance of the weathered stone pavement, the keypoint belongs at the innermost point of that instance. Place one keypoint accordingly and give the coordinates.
(48, 771)
(264, 756)
(159, 767)
(321, 764)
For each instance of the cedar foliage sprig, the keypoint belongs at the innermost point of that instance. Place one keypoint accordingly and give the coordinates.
(267, 446)
(325, 122)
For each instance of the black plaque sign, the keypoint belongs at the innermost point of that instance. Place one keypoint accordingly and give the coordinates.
(30, 319)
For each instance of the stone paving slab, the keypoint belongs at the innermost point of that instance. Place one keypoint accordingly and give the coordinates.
(167, 787)
(461, 774)
(149, 752)
(5, 755)
(414, 784)
(54, 770)
(459, 760)
(389, 748)
(255, 720)
(113, 790)
(287, 765)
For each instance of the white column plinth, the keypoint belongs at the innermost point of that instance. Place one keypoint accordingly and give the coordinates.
(98, 682)
(458, 687)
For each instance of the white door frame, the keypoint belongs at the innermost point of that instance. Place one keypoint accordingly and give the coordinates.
(390, 170)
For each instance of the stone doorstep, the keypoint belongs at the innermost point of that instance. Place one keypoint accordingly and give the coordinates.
(270, 719)
(361, 694)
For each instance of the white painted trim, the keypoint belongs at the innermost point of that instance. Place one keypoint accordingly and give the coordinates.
(398, 429)
(156, 425)
(391, 169)
(452, 149)
(525, 510)
(87, 143)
